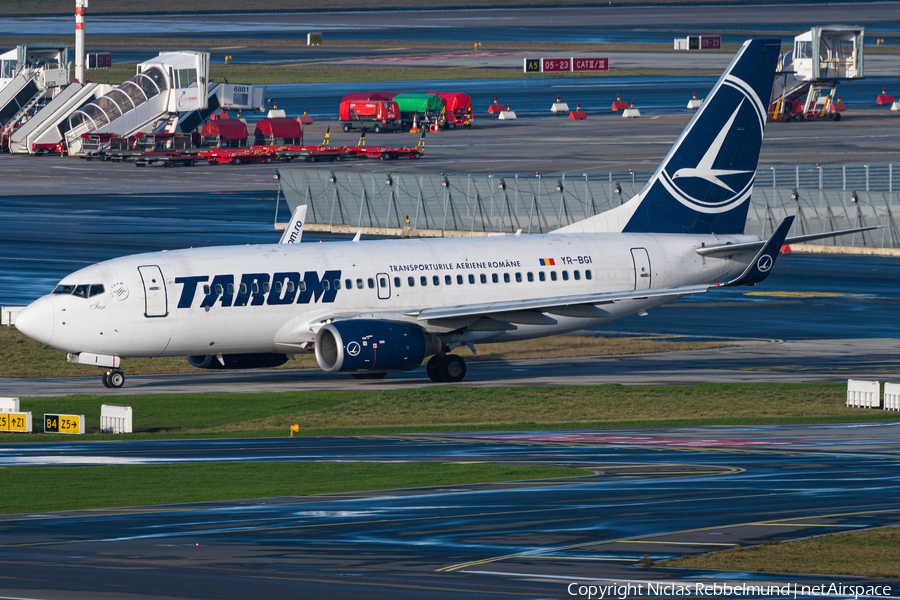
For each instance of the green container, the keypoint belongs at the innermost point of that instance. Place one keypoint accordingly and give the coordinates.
(418, 103)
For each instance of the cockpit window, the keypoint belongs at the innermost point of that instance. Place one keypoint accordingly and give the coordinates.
(82, 291)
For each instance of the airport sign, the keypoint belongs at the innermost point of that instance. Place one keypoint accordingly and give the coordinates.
(590, 64)
(566, 65)
(15, 421)
(69, 424)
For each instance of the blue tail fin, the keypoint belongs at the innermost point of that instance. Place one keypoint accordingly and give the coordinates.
(704, 183)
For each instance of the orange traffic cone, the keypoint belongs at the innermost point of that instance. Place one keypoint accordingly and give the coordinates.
(415, 127)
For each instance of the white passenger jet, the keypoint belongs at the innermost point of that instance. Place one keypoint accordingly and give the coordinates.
(377, 307)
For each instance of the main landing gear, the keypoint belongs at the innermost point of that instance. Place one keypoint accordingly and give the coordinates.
(446, 368)
(113, 379)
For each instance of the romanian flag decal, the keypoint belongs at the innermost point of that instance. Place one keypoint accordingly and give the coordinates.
(547, 262)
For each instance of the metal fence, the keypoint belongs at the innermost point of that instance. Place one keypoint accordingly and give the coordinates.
(823, 199)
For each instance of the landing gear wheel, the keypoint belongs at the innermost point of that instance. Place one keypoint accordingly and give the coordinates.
(105, 379)
(452, 368)
(116, 379)
(368, 375)
(432, 368)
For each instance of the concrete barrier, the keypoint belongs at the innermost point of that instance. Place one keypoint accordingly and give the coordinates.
(863, 394)
(631, 113)
(8, 315)
(115, 418)
(892, 396)
(508, 115)
(559, 107)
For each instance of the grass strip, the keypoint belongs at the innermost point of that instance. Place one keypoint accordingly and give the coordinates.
(460, 408)
(259, 74)
(870, 553)
(38, 489)
(23, 358)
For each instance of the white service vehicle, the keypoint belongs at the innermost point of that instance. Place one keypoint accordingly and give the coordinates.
(370, 308)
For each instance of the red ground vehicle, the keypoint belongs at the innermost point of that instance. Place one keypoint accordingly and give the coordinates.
(377, 115)
(278, 131)
(224, 133)
(360, 96)
(459, 112)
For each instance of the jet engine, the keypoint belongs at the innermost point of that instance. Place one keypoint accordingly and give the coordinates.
(361, 345)
(238, 361)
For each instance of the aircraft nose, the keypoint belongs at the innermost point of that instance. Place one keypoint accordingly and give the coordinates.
(36, 320)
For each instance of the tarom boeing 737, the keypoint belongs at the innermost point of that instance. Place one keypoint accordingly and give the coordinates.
(375, 307)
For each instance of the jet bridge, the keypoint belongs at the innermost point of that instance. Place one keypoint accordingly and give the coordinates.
(45, 131)
(30, 75)
(819, 60)
(170, 93)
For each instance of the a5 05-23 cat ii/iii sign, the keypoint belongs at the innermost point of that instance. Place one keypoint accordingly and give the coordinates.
(73, 424)
(566, 65)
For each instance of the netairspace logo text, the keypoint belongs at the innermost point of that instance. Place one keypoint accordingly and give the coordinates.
(791, 590)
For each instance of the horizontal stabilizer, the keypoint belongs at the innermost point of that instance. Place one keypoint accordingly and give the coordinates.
(729, 249)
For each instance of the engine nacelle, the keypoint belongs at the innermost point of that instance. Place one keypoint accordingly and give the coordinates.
(238, 361)
(371, 346)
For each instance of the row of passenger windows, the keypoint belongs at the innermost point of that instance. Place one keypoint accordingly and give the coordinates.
(410, 282)
(483, 278)
(495, 278)
(82, 291)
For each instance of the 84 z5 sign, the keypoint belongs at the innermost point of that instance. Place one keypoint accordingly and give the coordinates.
(73, 424)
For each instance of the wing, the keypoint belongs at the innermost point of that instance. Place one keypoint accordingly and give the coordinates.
(550, 304)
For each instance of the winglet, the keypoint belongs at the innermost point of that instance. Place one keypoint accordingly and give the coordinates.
(294, 231)
(761, 265)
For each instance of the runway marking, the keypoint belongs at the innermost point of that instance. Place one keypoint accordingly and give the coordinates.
(597, 558)
(681, 543)
(228, 47)
(534, 553)
(809, 295)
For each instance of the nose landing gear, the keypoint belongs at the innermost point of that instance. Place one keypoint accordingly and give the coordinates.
(446, 368)
(113, 379)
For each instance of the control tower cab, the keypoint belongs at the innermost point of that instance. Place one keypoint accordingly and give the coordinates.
(808, 75)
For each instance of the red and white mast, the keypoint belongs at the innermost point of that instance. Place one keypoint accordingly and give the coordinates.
(80, 5)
